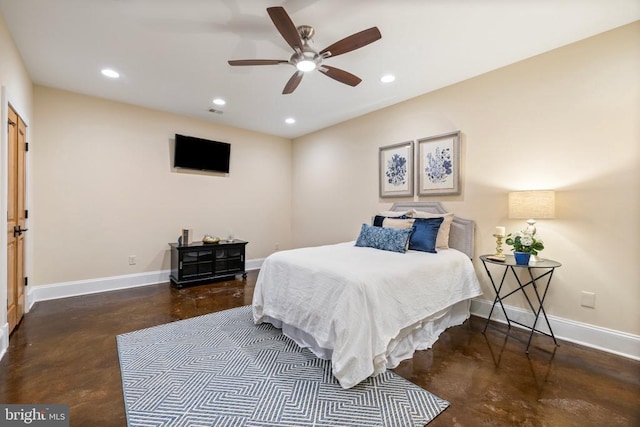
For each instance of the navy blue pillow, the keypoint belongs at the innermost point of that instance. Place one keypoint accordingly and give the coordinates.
(387, 239)
(425, 231)
(378, 219)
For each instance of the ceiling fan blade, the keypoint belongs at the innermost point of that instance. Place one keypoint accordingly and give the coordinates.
(293, 82)
(285, 26)
(340, 75)
(257, 61)
(353, 42)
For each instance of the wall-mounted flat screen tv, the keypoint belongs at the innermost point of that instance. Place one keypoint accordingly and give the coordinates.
(201, 154)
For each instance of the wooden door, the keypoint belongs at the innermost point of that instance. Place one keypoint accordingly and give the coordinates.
(16, 218)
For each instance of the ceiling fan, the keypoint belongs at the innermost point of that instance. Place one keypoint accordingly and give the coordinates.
(306, 58)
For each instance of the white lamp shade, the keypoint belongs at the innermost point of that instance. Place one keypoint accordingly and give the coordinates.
(538, 204)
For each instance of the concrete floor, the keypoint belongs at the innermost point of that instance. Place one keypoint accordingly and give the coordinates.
(64, 351)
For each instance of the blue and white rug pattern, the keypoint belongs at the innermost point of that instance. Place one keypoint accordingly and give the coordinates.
(222, 370)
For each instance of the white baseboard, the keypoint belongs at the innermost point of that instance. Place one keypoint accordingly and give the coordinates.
(92, 286)
(253, 264)
(105, 284)
(609, 340)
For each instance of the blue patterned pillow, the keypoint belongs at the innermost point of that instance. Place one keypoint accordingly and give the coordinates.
(425, 232)
(387, 239)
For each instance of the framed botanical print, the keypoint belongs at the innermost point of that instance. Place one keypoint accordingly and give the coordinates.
(439, 165)
(396, 170)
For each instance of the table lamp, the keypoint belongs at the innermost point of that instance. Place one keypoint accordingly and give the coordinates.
(532, 205)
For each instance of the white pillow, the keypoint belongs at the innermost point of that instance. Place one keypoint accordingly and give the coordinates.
(397, 223)
(442, 241)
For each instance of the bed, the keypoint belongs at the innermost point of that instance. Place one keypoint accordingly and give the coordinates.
(367, 309)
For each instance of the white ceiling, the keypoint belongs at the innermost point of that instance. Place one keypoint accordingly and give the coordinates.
(172, 54)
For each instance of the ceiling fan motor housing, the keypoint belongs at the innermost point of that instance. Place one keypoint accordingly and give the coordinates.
(306, 59)
(306, 32)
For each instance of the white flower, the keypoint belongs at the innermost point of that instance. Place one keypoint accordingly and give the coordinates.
(526, 240)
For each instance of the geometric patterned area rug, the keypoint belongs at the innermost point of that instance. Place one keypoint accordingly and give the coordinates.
(221, 369)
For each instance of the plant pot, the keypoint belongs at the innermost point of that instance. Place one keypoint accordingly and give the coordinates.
(522, 258)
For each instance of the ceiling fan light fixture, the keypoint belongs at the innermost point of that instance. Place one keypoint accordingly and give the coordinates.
(306, 65)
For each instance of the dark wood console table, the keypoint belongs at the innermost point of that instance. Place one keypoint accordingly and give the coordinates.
(199, 262)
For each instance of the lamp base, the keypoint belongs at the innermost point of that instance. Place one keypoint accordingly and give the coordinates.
(531, 227)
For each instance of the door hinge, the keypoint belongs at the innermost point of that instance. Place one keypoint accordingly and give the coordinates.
(26, 146)
(26, 213)
(26, 281)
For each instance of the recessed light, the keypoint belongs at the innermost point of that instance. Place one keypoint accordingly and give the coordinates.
(219, 101)
(387, 78)
(108, 72)
(289, 120)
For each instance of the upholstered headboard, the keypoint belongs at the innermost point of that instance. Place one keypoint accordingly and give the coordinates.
(462, 230)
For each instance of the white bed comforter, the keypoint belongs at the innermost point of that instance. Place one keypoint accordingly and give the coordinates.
(354, 300)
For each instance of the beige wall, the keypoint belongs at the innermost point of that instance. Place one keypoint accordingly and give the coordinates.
(104, 188)
(13, 74)
(566, 120)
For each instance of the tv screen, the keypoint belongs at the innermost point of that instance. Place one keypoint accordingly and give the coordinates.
(201, 154)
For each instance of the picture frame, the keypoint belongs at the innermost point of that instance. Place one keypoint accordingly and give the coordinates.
(396, 165)
(438, 165)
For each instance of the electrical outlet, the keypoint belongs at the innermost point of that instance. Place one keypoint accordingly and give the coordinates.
(588, 299)
(132, 260)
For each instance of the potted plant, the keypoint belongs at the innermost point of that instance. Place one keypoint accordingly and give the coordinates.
(524, 245)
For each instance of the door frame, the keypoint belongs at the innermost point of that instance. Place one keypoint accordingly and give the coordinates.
(4, 118)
